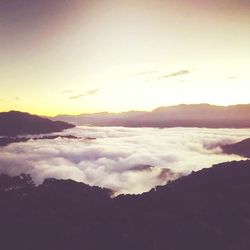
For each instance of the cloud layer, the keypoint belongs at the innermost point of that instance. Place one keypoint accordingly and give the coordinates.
(126, 160)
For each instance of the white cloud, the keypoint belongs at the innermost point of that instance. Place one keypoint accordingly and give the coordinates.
(120, 158)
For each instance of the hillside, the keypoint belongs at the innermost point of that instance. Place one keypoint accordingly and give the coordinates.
(208, 209)
(240, 148)
(15, 123)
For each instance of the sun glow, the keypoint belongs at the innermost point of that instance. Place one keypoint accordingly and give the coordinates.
(116, 56)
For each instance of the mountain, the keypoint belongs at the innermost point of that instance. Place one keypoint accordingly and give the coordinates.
(4, 141)
(193, 115)
(240, 148)
(17, 123)
(208, 209)
(102, 119)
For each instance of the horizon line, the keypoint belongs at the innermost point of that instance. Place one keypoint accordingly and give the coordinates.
(127, 111)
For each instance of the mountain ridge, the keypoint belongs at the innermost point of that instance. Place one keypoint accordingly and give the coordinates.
(241, 148)
(208, 209)
(183, 115)
(15, 123)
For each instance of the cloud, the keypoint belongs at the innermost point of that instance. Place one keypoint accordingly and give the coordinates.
(175, 74)
(148, 72)
(232, 78)
(88, 93)
(126, 160)
(67, 91)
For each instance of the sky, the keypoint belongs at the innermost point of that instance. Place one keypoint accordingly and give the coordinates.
(85, 56)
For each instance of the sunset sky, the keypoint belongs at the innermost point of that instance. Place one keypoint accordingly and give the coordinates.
(79, 56)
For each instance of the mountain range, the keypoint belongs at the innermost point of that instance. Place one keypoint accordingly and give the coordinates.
(15, 123)
(193, 115)
(208, 209)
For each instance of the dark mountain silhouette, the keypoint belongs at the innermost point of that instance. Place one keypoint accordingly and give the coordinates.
(240, 148)
(193, 115)
(209, 209)
(4, 141)
(102, 119)
(17, 123)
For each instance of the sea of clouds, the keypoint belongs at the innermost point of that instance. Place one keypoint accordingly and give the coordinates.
(126, 160)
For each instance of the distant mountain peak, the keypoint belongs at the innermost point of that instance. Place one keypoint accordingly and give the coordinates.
(185, 106)
(14, 123)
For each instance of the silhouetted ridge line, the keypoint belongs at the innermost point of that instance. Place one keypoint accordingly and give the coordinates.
(193, 115)
(4, 141)
(240, 148)
(208, 209)
(18, 123)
